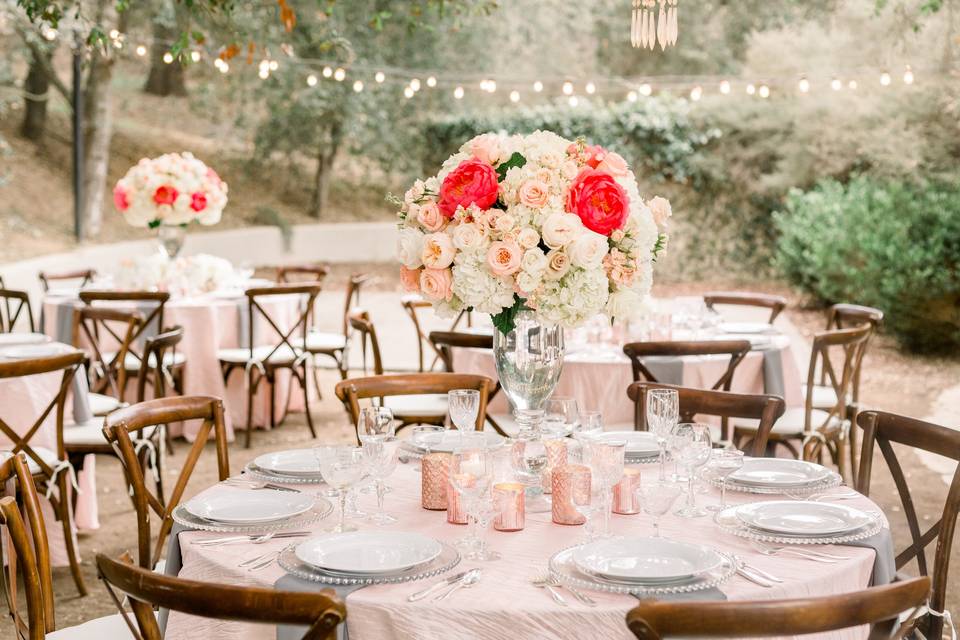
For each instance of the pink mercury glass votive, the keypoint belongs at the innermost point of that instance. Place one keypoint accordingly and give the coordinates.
(556, 458)
(434, 478)
(569, 483)
(624, 493)
(508, 498)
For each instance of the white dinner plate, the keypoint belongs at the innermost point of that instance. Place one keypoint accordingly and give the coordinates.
(25, 351)
(639, 443)
(249, 507)
(802, 518)
(451, 439)
(22, 338)
(645, 560)
(295, 462)
(368, 552)
(778, 472)
(747, 327)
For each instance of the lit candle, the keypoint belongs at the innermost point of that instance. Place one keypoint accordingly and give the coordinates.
(508, 498)
(624, 493)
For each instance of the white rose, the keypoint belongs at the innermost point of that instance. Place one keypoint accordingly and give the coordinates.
(505, 223)
(410, 248)
(533, 261)
(623, 303)
(528, 238)
(587, 251)
(468, 236)
(558, 263)
(559, 229)
(528, 282)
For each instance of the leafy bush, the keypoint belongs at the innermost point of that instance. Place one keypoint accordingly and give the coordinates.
(890, 245)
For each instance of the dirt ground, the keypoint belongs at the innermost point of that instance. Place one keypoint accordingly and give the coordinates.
(892, 381)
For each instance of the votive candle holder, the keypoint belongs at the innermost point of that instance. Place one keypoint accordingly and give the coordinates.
(434, 478)
(570, 483)
(511, 511)
(625, 500)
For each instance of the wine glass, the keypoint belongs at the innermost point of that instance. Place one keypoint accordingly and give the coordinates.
(529, 458)
(561, 415)
(471, 474)
(606, 469)
(486, 509)
(375, 423)
(341, 468)
(591, 424)
(380, 457)
(426, 438)
(318, 452)
(463, 405)
(694, 453)
(663, 410)
(723, 463)
(680, 434)
(656, 498)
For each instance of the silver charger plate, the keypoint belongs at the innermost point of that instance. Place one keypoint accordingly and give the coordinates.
(321, 509)
(257, 473)
(829, 482)
(289, 562)
(728, 521)
(564, 569)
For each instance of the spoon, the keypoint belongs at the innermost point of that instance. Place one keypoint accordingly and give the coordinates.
(472, 578)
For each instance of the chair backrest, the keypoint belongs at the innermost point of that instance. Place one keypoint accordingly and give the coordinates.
(298, 273)
(150, 304)
(32, 552)
(724, 404)
(118, 427)
(20, 438)
(446, 341)
(320, 611)
(354, 284)
(882, 430)
(107, 336)
(845, 316)
(294, 335)
(16, 306)
(85, 276)
(878, 607)
(774, 303)
(361, 325)
(353, 390)
(736, 349)
(155, 351)
(412, 305)
(835, 358)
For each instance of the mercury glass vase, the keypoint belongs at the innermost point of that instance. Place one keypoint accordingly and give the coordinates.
(171, 239)
(529, 360)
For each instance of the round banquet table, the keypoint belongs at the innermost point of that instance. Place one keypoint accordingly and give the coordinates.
(504, 604)
(210, 322)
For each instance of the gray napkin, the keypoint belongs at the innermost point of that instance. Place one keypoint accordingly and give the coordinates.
(884, 565)
(773, 373)
(706, 595)
(667, 370)
(244, 328)
(81, 397)
(293, 583)
(63, 329)
(171, 567)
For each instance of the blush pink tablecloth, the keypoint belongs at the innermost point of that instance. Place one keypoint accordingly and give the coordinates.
(210, 323)
(504, 604)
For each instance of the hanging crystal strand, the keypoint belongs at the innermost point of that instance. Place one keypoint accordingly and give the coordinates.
(652, 31)
(674, 25)
(643, 28)
(662, 25)
(633, 24)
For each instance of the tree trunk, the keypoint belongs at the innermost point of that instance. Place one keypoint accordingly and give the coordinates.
(36, 85)
(326, 154)
(164, 79)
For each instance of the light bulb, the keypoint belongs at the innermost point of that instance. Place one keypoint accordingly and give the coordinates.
(431, 82)
(339, 74)
(264, 74)
(168, 57)
(725, 87)
(118, 43)
(538, 86)
(51, 34)
(573, 101)
(408, 92)
(591, 88)
(274, 65)
(696, 93)
(852, 84)
(415, 84)
(195, 56)
(632, 96)
(327, 72)
(908, 75)
(492, 86)
(379, 77)
(358, 86)
(114, 34)
(567, 88)
(514, 96)
(836, 85)
(764, 91)
(142, 51)
(645, 89)
(803, 85)
(751, 89)
(885, 79)
(311, 80)
(224, 67)
(458, 93)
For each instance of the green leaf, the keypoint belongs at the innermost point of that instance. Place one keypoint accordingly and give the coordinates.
(504, 321)
(516, 160)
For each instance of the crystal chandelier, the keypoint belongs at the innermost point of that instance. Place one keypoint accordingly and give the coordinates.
(650, 27)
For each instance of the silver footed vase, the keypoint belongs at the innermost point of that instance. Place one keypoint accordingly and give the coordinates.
(529, 361)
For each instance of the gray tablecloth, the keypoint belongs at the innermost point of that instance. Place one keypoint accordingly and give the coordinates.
(669, 370)
(293, 583)
(884, 565)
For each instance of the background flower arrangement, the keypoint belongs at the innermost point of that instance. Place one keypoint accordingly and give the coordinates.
(173, 189)
(537, 222)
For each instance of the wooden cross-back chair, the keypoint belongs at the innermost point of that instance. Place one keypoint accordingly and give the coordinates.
(393, 390)
(121, 429)
(285, 349)
(321, 611)
(765, 409)
(878, 607)
(107, 335)
(882, 430)
(835, 354)
(412, 305)
(298, 273)
(84, 276)
(334, 345)
(774, 303)
(16, 307)
(49, 468)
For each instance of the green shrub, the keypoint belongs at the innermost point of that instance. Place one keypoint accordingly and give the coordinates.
(890, 245)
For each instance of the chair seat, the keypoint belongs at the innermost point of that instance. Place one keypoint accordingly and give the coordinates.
(824, 396)
(320, 341)
(791, 422)
(132, 362)
(101, 405)
(433, 405)
(91, 433)
(283, 355)
(109, 627)
(47, 455)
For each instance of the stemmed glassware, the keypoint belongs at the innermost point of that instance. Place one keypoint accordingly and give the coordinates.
(656, 498)
(380, 457)
(591, 424)
(663, 411)
(606, 469)
(471, 474)
(375, 422)
(561, 416)
(463, 405)
(693, 454)
(722, 464)
(427, 437)
(588, 503)
(342, 467)
(529, 458)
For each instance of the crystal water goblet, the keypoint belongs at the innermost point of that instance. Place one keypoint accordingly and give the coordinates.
(694, 454)
(606, 468)
(342, 467)
(656, 499)
(561, 415)
(380, 456)
(375, 422)
(663, 410)
(471, 474)
(723, 463)
(463, 406)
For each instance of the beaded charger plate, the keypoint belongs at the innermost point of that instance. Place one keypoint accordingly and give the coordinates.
(448, 559)
(831, 481)
(321, 509)
(729, 522)
(257, 473)
(564, 569)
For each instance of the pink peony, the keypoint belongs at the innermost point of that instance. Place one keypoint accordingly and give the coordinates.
(504, 258)
(473, 182)
(437, 283)
(198, 202)
(486, 147)
(165, 194)
(599, 201)
(438, 251)
(121, 199)
(410, 279)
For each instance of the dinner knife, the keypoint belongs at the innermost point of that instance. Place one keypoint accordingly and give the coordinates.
(420, 595)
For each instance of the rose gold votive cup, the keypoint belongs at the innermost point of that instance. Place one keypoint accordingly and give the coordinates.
(433, 481)
(624, 493)
(456, 510)
(569, 481)
(508, 496)
(556, 458)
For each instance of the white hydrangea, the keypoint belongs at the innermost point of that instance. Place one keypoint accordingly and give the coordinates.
(477, 287)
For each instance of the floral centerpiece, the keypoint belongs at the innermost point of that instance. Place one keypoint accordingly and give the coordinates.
(533, 222)
(185, 276)
(170, 192)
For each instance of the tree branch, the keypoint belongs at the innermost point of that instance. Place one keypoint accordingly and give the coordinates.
(44, 60)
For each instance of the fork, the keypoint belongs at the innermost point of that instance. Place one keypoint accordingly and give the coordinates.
(850, 494)
(251, 539)
(809, 554)
(545, 577)
(256, 484)
(542, 583)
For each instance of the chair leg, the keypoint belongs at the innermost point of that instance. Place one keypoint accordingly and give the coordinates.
(272, 387)
(62, 507)
(252, 383)
(306, 398)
